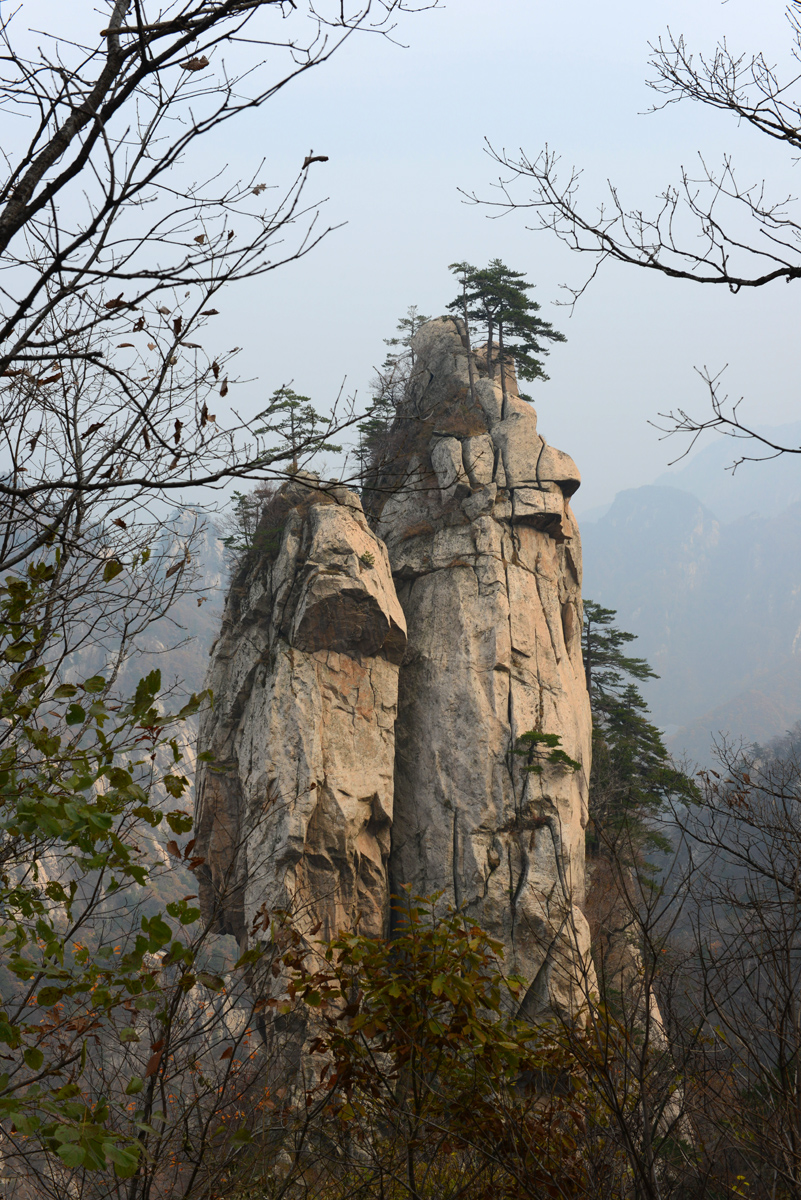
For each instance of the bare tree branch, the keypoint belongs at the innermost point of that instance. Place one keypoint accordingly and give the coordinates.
(709, 228)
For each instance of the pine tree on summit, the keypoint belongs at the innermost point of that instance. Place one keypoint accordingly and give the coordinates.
(495, 298)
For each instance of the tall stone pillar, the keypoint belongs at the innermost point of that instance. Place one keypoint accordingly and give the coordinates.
(295, 812)
(474, 507)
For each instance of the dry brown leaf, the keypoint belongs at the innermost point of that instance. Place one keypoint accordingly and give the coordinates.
(153, 1064)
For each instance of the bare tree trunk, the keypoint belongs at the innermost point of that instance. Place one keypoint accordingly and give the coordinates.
(471, 371)
(502, 361)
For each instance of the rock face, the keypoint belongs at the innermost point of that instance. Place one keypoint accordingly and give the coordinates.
(314, 777)
(297, 812)
(486, 557)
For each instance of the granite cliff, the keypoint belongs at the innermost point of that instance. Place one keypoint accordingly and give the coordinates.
(486, 556)
(297, 810)
(372, 681)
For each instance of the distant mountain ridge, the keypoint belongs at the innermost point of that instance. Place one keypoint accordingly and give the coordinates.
(716, 606)
(765, 487)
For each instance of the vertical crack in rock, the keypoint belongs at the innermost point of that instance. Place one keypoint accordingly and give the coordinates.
(487, 560)
(295, 811)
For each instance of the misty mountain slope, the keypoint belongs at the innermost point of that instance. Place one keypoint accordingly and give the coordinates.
(178, 643)
(759, 713)
(716, 607)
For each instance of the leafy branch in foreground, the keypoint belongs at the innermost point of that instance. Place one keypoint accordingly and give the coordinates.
(433, 1086)
(79, 779)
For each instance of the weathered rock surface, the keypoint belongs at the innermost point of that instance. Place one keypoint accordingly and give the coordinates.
(296, 814)
(486, 557)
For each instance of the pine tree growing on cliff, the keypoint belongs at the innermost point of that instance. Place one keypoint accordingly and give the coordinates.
(633, 776)
(240, 523)
(389, 385)
(494, 298)
(297, 424)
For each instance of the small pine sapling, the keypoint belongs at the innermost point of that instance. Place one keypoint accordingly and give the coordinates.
(540, 749)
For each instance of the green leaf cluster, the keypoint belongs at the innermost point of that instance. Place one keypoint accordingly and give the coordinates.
(540, 749)
(79, 777)
(418, 1036)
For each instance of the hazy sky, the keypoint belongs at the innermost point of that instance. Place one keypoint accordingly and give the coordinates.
(404, 128)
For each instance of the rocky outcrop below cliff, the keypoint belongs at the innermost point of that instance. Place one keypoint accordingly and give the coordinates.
(320, 802)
